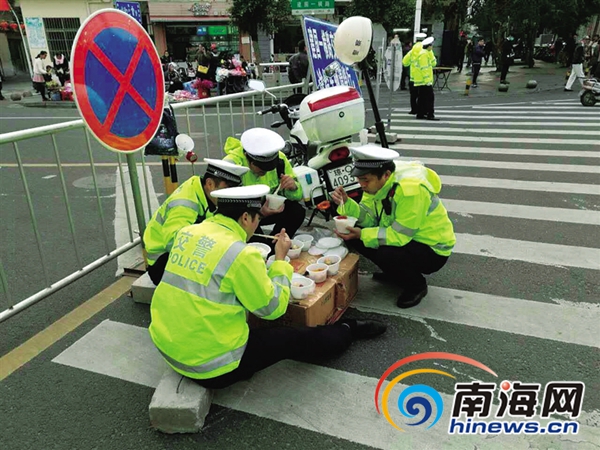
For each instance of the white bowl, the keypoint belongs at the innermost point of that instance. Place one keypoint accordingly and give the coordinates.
(272, 258)
(302, 287)
(264, 249)
(294, 253)
(329, 242)
(307, 239)
(341, 222)
(317, 272)
(275, 201)
(332, 262)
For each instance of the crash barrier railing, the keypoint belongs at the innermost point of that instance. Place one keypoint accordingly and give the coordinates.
(249, 102)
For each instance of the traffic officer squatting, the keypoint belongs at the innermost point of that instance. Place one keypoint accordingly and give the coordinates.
(190, 203)
(408, 61)
(260, 150)
(424, 64)
(402, 227)
(213, 279)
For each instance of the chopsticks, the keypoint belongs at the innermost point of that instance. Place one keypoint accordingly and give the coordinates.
(265, 236)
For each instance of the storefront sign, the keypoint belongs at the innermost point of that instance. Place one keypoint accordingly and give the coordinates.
(217, 30)
(304, 7)
(201, 31)
(328, 71)
(131, 8)
(200, 9)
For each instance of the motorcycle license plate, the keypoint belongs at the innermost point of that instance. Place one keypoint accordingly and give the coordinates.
(340, 176)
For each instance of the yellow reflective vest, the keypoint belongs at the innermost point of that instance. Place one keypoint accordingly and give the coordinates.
(211, 280)
(410, 59)
(235, 154)
(424, 65)
(406, 208)
(185, 206)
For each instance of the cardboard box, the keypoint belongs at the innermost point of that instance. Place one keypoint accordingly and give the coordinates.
(346, 281)
(314, 310)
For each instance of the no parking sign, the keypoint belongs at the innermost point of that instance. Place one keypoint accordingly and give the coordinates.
(117, 80)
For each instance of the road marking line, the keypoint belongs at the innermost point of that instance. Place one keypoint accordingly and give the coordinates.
(478, 131)
(568, 126)
(507, 115)
(24, 353)
(539, 186)
(496, 150)
(532, 107)
(506, 165)
(327, 401)
(527, 251)
(566, 215)
(45, 165)
(520, 140)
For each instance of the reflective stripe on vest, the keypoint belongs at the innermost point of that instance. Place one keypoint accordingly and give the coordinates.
(364, 212)
(381, 236)
(274, 302)
(410, 232)
(154, 256)
(210, 292)
(442, 247)
(218, 362)
(180, 202)
(435, 201)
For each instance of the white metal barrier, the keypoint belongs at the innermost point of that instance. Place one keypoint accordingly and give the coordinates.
(249, 102)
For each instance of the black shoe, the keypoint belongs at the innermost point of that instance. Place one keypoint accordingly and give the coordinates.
(412, 112)
(421, 117)
(411, 297)
(568, 90)
(433, 118)
(364, 329)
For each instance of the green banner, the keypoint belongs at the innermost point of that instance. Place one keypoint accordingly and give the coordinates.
(217, 30)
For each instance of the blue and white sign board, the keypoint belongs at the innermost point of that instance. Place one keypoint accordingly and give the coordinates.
(327, 70)
(131, 8)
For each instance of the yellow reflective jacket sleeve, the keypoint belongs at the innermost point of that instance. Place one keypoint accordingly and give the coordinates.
(360, 211)
(410, 212)
(264, 294)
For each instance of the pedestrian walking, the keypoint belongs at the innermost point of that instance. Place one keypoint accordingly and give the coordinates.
(488, 50)
(478, 54)
(39, 70)
(409, 60)
(424, 65)
(406, 70)
(469, 52)
(594, 52)
(507, 58)
(460, 52)
(577, 67)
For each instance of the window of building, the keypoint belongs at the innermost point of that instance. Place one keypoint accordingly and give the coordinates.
(60, 34)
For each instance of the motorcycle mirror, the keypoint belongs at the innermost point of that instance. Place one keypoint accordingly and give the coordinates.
(257, 85)
(352, 39)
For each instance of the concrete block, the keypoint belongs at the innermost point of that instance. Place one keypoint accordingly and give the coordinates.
(179, 405)
(15, 96)
(27, 94)
(142, 289)
(374, 138)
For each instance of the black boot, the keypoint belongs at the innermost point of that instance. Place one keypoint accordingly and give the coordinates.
(411, 296)
(364, 329)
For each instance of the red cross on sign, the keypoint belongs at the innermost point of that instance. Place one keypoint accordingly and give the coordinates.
(117, 80)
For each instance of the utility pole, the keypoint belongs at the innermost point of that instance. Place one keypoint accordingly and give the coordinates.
(417, 28)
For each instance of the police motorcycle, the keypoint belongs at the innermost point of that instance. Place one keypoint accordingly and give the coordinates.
(321, 126)
(590, 92)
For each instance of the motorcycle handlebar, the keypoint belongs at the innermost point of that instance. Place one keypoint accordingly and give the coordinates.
(272, 109)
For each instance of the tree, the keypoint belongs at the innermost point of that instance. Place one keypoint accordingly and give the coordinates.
(253, 15)
(389, 13)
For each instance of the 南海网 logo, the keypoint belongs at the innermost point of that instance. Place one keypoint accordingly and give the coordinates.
(419, 396)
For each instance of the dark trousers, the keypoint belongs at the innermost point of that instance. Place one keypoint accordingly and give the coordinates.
(405, 264)
(156, 270)
(460, 61)
(426, 100)
(41, 88)
(267, 346)
(414, 97)
(505, 66)
(405, 77)
(291, 219)
(476, 69)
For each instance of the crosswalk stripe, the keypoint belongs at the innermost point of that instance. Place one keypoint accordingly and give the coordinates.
(571, 121)
(540, 186)
(573, 108)
(527, 251)
(545, 167)
(518, 124)
(521, 140)
(496, 150)
(565, 215)
(568, 322)
(478, 131)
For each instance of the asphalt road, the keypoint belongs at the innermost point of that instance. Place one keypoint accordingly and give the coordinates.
(523, 191)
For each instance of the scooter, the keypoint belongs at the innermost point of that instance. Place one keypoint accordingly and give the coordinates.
(590, 92)
(321, 127)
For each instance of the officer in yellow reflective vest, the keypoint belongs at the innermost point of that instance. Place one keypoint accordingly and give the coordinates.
(424, 64)
(408, 61)
(402, 227)
(191, 203)
(260, 150)
(213, 279)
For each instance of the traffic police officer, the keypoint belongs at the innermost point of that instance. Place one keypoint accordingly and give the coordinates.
(260, 150)
(213, 279)
(403, 227)
(408, 61)
(191, 203)
(424, 64)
